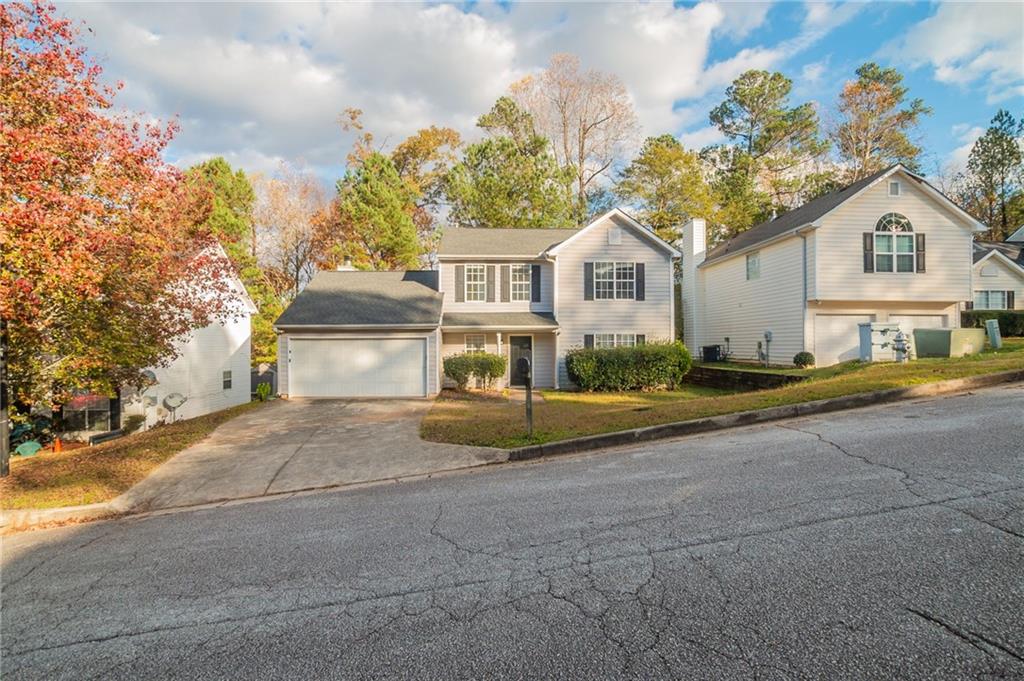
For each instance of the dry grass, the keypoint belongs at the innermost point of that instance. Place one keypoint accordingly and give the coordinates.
(564, 414)
(90, 475)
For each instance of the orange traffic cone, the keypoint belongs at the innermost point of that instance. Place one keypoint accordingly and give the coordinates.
(58, 447)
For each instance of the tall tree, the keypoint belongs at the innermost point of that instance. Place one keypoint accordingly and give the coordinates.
(288, 206)
(995, 169)
(231, 220)
(107, 261)
(876, 122)
(374, 216)
(666, 184)
(781, 143)
(587, 115)
(510, 179)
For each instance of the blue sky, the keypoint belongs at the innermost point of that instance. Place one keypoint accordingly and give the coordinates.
(264, 83)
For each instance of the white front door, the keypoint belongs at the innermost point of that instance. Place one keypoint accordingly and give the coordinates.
(837, 337)
(358, 367)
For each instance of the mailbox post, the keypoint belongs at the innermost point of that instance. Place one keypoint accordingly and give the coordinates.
(523, 365)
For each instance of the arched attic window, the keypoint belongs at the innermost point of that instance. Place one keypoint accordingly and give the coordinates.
(894, 246)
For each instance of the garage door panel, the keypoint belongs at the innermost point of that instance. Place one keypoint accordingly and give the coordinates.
(837, 337)
(358, 367)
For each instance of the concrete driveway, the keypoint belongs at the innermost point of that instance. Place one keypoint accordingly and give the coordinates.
(294, 445)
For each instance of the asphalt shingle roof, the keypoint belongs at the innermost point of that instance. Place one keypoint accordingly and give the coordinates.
(798, 217)
(366, 299)
(502, 319)
(471, 241)
(1013, 251)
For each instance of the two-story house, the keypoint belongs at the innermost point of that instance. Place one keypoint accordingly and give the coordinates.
(531, 293)
(887, 248)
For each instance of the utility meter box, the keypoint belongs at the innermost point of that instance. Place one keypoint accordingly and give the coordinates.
(876, 341)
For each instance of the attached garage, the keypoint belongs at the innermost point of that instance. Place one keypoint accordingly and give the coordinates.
(358, 367)
(909, 322)
(361, 334)
(836, 337)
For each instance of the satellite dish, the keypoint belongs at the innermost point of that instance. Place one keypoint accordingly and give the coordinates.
(174, 400)
(149, 378)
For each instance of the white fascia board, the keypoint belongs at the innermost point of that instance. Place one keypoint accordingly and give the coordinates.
(1015, 267)
(651, 236)
(796, 231)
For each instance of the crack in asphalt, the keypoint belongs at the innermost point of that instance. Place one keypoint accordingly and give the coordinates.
(971, 638)
(434, 589)
(293, 455)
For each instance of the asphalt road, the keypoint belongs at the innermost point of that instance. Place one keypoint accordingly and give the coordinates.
(880, 543)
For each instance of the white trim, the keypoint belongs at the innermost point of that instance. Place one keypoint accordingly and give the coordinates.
(651, 236)
(467, 336)
(465, 282)
(311, 328)
(499, 327)
(796, 231)
(1017, 236)
(476, 257)
(1017, 269)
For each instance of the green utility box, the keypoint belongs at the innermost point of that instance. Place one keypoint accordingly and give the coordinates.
(948, 342)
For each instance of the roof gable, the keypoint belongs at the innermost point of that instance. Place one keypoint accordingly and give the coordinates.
(811, 213)
(622, 218)
(1000, 258)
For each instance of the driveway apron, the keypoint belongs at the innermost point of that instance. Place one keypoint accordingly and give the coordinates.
(299, 445)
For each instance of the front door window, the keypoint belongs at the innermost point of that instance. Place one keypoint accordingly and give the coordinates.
(520, 346)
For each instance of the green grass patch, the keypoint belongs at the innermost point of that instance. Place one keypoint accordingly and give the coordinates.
(498, 423)
(90, 475)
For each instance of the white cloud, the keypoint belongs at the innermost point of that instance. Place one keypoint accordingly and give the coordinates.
(263, 82)
(967, 135)
(967, 43)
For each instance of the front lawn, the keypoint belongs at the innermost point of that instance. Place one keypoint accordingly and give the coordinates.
(89, 475)
(498, 423)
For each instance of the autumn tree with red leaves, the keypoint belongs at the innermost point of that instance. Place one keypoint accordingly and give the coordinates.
(105, 259)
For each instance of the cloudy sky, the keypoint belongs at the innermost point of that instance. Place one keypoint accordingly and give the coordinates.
(261, 83)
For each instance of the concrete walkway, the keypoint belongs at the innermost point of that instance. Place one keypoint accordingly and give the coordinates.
(295, 445)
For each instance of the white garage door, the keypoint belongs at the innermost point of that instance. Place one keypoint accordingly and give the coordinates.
(837, 337)
(358, 367)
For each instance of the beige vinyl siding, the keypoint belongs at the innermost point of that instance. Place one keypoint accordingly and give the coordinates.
(577, 317)
(284, 348)
(1001, 278)
(840, 256)
(743, 310)
(447, 287)
(454, 342)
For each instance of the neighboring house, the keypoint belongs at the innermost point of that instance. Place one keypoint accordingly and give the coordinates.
(999, 274)
(888, 248)
(531, 293)
(211, 372)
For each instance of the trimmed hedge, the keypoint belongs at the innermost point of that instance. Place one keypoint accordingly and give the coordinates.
(1011, 322)
(642, 367)
(483, 365)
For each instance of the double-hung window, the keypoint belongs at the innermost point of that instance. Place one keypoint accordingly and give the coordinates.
(611, 340)
(614, 280)
(476, 283)
(225, 379)
(521, 275)
(990, 300)
(894, 244)
(476, 342)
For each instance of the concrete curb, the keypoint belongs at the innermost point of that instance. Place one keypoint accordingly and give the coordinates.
(25, 518)
(746, 418)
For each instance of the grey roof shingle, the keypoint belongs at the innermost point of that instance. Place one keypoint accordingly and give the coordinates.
(498, 319)
(1013, 251)
(366, 299)
(473, 241)
(798, 217)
